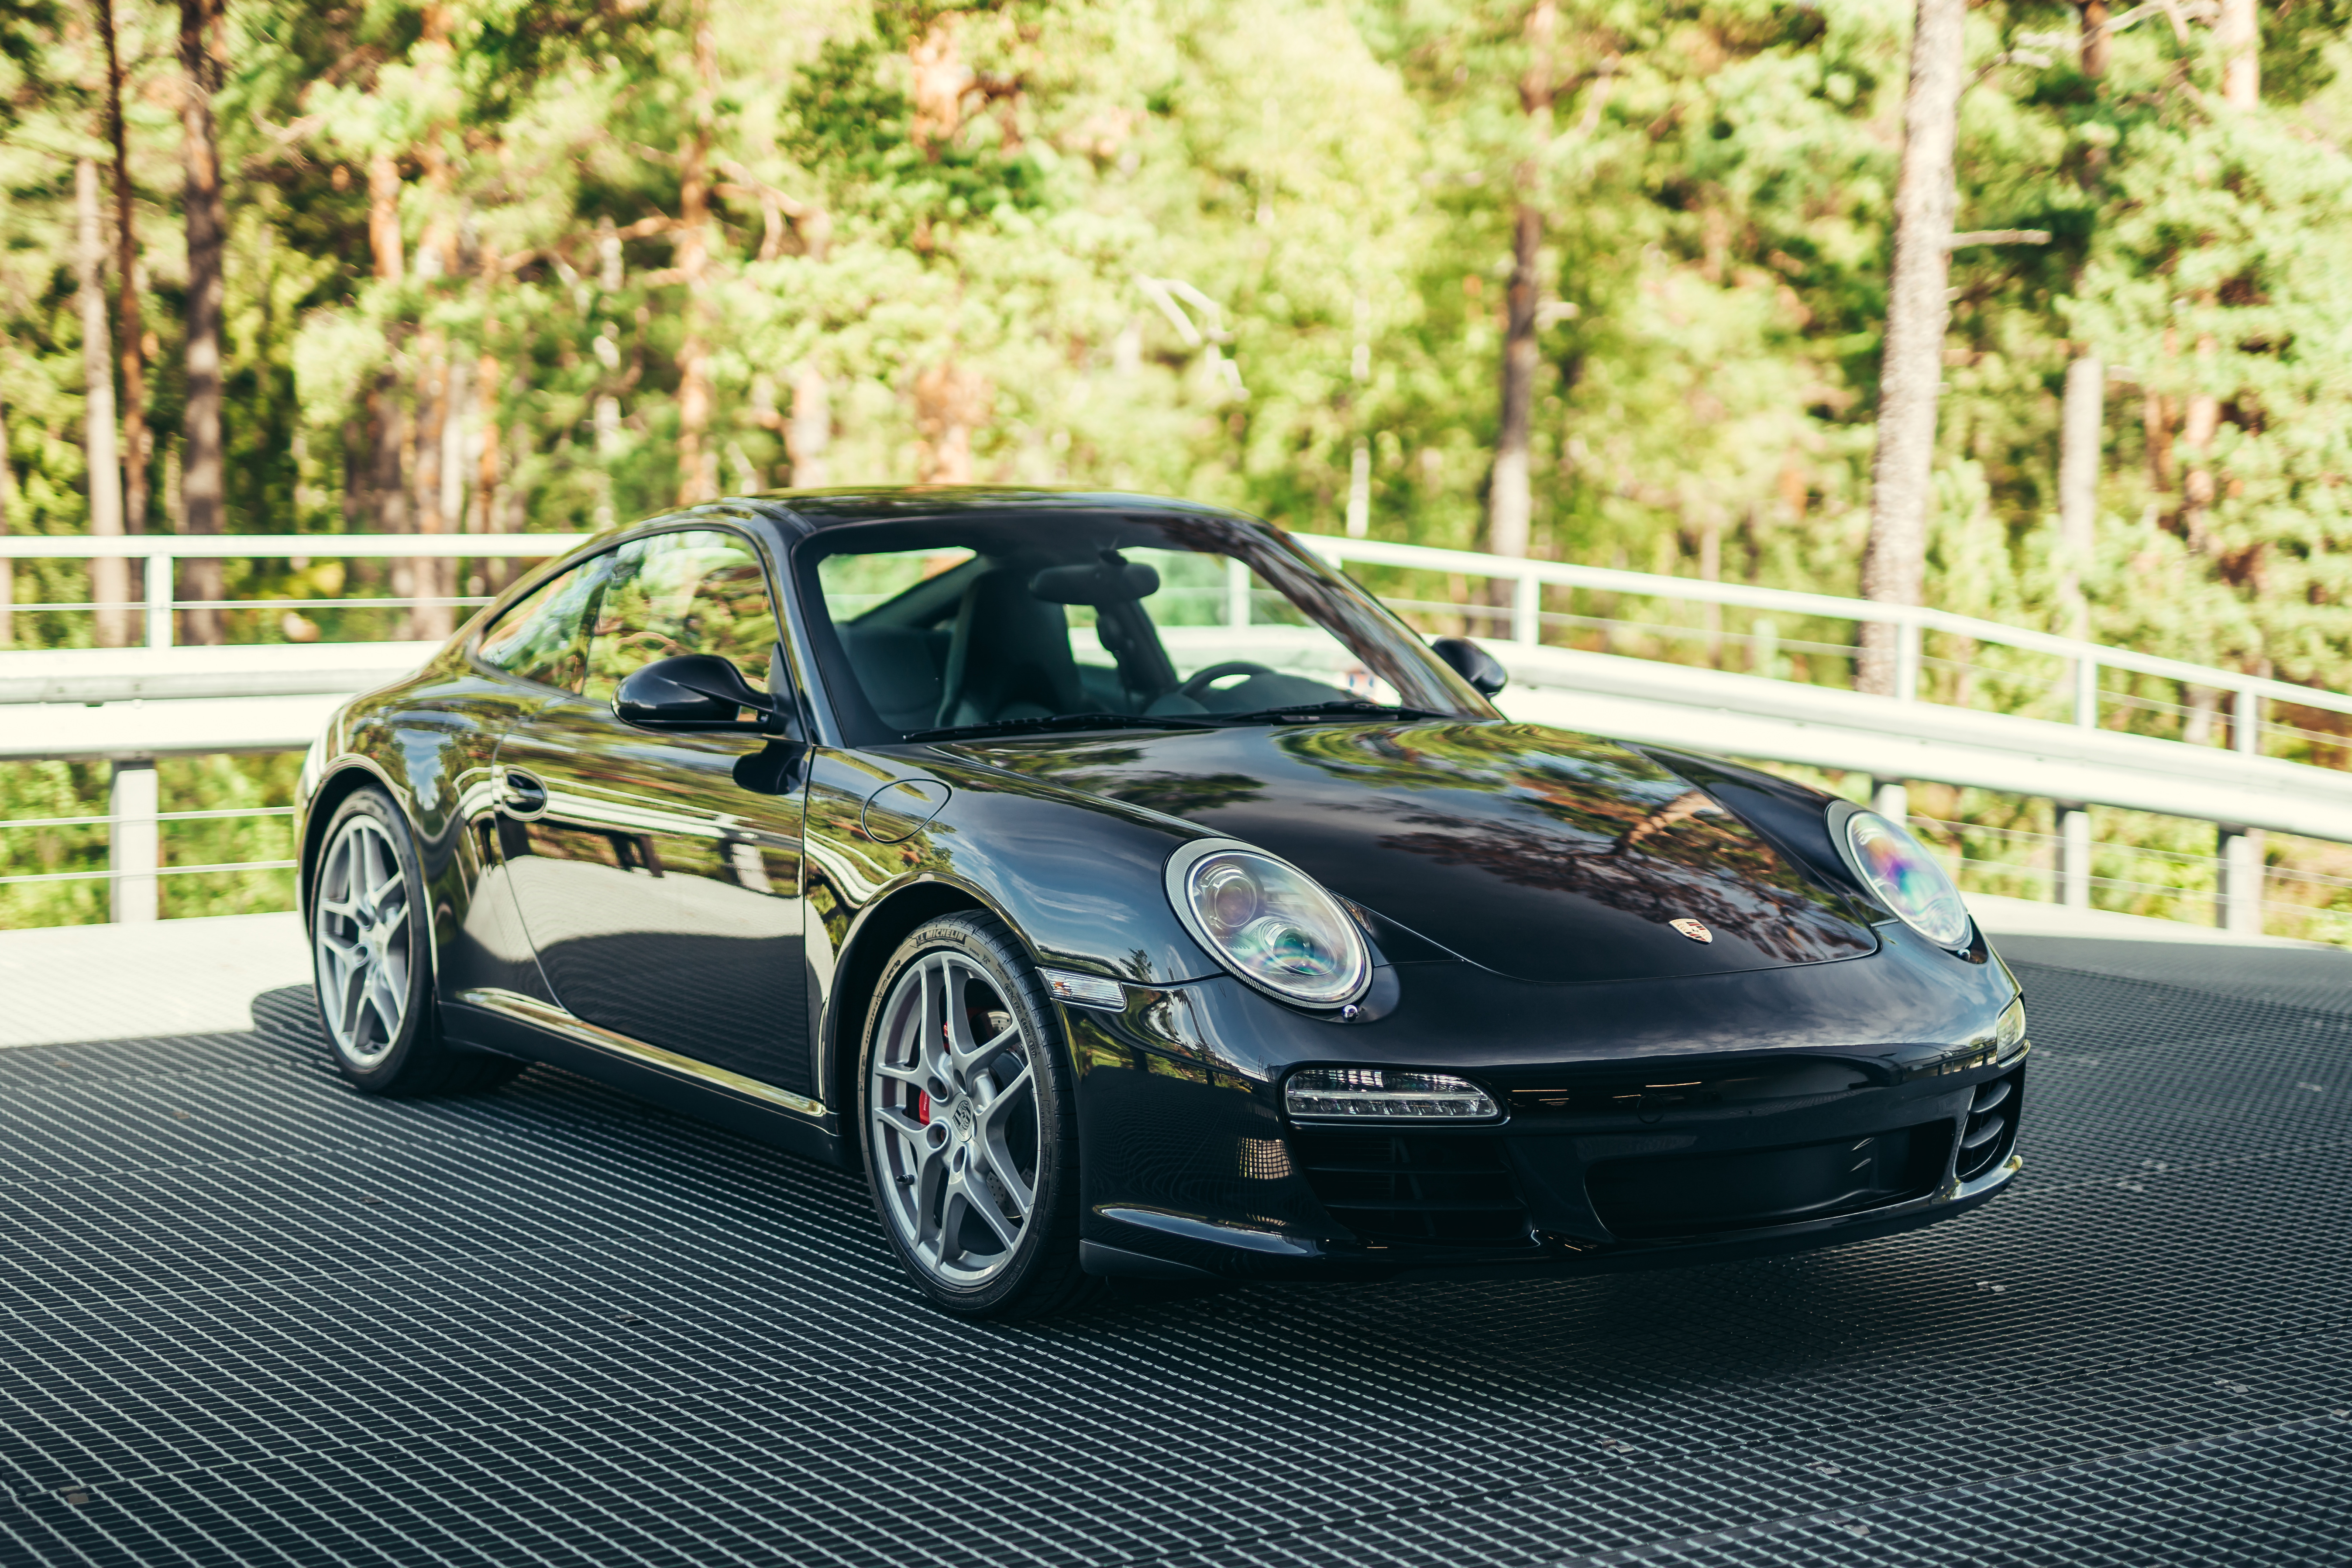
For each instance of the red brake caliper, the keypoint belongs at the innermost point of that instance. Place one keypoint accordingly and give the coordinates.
(922, 1108)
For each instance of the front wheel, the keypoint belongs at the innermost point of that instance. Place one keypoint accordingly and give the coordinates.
(971, 1129)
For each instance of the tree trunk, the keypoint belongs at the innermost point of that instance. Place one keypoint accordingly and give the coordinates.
(7, 516)
(698, 454)
(2081, 440)
(951, 403)
(1509, 502)
(487, 504)
(941, 79)
(2239, 32)
(2095, 45)
(2199, 422)
(130, 330)
(387, 482)
(383, 217)
(203, 480)
(428, 620)
(1510, 499)
(2083, 415)
(2240, 37)
(110, 580)
(1894, 565)
(812, 427)
(484, 517)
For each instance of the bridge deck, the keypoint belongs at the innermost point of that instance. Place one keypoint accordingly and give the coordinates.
(255, 1318)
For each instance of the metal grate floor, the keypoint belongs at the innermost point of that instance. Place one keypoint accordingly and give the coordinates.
(251, 1317)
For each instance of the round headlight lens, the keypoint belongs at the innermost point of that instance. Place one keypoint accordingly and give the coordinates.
(1271, 925)
(1906, 879)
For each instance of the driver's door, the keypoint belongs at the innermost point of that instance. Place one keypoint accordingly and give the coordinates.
(663, 896)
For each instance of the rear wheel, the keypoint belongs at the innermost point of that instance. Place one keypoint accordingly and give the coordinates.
(372, 955)
(970, 1131)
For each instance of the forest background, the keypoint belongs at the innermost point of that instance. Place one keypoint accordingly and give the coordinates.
(498, 266)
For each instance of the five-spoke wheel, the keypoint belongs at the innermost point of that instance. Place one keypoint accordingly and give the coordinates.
(364, 943)
(372, 955)
(953, 1107)
(971, 1136)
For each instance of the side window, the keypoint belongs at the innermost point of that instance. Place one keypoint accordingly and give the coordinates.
(695, 591)
(544, 636)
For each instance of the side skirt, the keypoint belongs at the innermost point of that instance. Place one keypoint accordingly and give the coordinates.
(511, 1024)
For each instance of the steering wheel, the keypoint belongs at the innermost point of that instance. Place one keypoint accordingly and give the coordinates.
(1191, 690)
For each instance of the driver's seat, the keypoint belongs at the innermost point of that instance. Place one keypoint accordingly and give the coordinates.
(1008, 657)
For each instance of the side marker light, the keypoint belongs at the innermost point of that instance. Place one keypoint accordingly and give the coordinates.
(1085, 990)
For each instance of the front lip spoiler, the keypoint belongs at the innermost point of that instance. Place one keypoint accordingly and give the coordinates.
(1209, 1246)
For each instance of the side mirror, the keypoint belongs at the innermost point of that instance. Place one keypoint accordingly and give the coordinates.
(691, 691)
(1472, 664)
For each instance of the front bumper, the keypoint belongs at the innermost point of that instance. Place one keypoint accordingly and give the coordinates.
(1191, 1168)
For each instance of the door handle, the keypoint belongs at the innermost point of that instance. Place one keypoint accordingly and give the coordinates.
(523, 795)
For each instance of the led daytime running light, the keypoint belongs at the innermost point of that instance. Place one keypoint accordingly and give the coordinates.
(1367, 1093)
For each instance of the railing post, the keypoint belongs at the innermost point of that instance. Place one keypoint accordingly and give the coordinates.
(1891, 800)
(2086, 693)
(159, 601)
(133, 842)
(2239, 904)
(2246, 723)
(1526, 603)
(1907, 660)
(1237, 591)
(2074, 856)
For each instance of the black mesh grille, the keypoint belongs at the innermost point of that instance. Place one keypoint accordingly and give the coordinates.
(1697, 1194)
(1406, 1187)
(1992, 1127)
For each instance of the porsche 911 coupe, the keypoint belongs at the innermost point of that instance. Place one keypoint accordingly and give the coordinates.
(1129, 894)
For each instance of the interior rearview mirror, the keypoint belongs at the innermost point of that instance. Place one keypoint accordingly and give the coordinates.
(691, 691)
(1472, 664)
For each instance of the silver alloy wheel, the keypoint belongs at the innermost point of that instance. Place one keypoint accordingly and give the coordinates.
(363, 943)
(953, 1114)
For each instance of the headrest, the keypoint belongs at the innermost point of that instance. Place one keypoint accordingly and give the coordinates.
(1110, 581)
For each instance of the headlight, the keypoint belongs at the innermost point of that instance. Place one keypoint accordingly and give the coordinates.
(1893, 866)
(1269, 924)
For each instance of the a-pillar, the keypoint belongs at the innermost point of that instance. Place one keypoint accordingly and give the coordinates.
(2239, 906)
(133, 847)
(2074, 856)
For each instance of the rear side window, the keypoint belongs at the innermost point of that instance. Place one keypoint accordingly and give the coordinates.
(545, 635)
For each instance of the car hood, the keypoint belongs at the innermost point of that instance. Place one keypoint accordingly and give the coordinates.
(1535, 852)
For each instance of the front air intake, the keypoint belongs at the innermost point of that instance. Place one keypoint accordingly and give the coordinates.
(1408, 1187)
(1992, 1129)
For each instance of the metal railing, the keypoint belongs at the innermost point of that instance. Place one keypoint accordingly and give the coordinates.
(161, 554)
(205, 684)
(2082, 661)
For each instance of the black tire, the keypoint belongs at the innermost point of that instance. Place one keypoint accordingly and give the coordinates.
(409, 1058)
(1038, 1275)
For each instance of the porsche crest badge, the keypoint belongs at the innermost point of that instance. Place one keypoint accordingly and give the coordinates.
(1693, 930)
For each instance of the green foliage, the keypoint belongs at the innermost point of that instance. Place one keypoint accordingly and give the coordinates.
(1201, 247)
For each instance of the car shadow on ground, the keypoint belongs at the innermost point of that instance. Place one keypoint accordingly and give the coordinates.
(1762, 1321)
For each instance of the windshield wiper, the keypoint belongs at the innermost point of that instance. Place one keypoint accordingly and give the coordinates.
(1059, 721)
(1305, 712)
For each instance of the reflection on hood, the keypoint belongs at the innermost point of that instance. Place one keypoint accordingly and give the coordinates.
(1536, 852)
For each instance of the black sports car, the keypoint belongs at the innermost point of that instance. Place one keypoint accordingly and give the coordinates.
(1129, 894)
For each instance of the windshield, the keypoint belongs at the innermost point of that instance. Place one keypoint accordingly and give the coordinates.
(996, 622)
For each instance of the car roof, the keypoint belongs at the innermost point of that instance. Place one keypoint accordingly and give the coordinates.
(816, 511)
